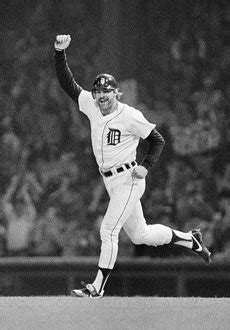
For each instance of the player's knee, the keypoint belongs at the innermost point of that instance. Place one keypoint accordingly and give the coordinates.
(153, 235)
(138, 239)
(108, 234)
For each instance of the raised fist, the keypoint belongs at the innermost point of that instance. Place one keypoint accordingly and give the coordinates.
(62, 42)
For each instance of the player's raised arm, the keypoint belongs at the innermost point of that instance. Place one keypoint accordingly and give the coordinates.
(63, 71)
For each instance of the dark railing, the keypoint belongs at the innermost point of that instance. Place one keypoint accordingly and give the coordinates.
(131, 276)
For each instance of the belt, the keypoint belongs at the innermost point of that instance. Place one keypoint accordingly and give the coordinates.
(118, 169)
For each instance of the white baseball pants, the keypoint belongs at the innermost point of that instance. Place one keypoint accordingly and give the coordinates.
(125, 210)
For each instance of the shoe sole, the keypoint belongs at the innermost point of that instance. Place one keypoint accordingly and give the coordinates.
(75, 295)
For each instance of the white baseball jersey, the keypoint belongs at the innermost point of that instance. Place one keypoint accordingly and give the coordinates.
(115, 137)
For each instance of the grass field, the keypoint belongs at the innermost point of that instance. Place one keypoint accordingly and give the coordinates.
(67, 313)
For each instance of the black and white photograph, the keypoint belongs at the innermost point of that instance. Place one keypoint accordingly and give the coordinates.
(114, 164)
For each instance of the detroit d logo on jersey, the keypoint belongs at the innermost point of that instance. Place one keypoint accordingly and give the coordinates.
(113, 137)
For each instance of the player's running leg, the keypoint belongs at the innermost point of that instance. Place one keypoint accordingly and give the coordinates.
(157, 234)
(123, 198)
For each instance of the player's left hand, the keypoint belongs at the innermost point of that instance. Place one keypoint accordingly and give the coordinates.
(62, 42)
(139, 172)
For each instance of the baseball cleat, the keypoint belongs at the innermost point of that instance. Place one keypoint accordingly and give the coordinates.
(88, 291)
(199, 246)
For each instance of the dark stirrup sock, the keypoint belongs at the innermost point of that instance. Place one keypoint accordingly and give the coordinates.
(183, 239)
(101, 279)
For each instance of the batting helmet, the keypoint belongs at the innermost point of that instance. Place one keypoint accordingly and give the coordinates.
(104, 81)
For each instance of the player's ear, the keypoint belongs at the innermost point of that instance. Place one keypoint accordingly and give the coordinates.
(118, 94)
(93, 94)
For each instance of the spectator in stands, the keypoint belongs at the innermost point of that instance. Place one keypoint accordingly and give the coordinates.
(47, 236)
(221, 223)
(20, 216)
(193, 206)
(223, 181)
(9, 138)
(10, 149)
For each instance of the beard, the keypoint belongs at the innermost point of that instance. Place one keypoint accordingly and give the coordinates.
(106, 105)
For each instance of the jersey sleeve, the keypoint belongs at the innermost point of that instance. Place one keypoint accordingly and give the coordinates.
(139, 125)
(86, 103)
(65, 76)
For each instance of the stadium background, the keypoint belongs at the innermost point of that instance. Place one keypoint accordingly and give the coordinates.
(171, 60)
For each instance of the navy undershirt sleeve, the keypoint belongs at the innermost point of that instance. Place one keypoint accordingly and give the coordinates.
(156, 145)
(65, 76)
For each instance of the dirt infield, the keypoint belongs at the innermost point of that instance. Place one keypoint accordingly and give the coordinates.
(67, 313)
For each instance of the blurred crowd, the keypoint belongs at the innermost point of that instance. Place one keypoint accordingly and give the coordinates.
(54, 209)
(52, 198)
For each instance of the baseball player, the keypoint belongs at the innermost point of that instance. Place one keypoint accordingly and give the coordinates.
(116, 129)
